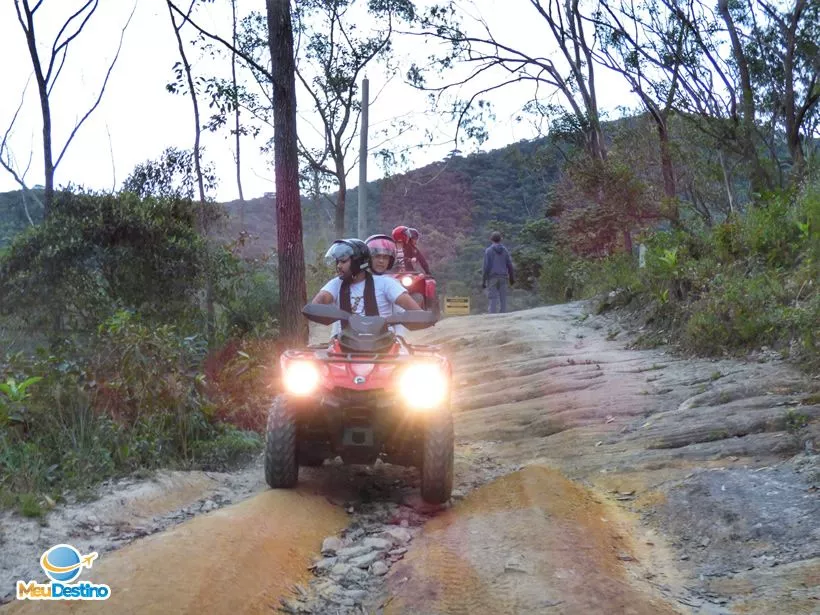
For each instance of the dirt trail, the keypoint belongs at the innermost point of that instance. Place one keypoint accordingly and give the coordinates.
(590, 478)
(530, 542)
(212, 564)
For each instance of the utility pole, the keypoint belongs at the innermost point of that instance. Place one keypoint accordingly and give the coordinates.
(362, 228)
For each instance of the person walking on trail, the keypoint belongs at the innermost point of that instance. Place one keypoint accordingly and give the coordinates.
(498, 273)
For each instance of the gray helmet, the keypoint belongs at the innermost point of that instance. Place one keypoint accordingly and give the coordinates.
(354, 249)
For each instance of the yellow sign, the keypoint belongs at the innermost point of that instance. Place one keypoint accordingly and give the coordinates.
(457, 305)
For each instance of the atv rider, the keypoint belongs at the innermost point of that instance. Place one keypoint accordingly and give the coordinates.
(408, 251)
(355, 289)
(382, 253)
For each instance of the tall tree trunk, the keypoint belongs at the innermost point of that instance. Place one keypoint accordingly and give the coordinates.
(341, 201)
(202, 218)
(760, 179)
(24, 193)
(670, 191)
(317, 195)
(667, 168)
(790, 112)
(290, 248)
(42, 90)
(237, 126)
(48, 161)
(728, 184)
(627, 241)
(317, 200)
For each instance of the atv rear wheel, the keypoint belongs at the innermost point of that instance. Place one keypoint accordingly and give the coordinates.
(281, 469)
(437, 461)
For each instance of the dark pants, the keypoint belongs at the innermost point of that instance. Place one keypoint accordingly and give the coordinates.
(497, 291)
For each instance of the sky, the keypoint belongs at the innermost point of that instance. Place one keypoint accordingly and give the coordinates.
(137, 118)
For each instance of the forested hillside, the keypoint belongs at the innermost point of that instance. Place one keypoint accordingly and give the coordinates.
(454, 203)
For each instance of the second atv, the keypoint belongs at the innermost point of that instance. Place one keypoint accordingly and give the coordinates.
(422, 287)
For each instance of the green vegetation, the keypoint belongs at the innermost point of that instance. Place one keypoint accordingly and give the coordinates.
(747, 282)
(105, 367)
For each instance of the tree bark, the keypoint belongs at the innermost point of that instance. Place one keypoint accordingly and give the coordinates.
(760, 179)
(728, 184)
(341, 201)
(670, 190)
(790, 111)
(202, 218)
(627, 241)
(42, 90)
(237, 124)
(290, 248)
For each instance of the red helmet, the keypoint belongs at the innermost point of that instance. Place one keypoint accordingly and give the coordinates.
(405, 234)
(382, 244)
(401, 234)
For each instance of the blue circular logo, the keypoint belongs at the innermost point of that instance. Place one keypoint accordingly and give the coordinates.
(62, 563)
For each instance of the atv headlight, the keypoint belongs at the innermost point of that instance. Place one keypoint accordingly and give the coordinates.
(301, 377)
(423, 386)
(407, 281)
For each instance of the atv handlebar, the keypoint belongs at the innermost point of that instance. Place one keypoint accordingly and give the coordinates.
(326, 314)
(413, 319)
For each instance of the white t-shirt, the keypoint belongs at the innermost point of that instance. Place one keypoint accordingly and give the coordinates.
(387, 291)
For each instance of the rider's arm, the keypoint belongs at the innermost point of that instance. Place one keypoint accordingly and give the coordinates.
(323, 297)
(423, 262)
(328, 293)
(407, 302)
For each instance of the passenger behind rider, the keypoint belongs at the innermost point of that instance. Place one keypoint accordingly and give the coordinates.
(408, 252)
(382, 258)
(382, 253)
(355, 289)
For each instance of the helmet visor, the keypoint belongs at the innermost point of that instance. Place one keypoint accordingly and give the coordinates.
(382, 246)
(338, 252)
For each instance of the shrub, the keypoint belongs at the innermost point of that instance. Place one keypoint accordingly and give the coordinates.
(229, 448)
(98, 253)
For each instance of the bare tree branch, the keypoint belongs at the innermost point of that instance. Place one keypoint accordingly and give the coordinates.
(102, 89)
(55, 48)
(186, 19)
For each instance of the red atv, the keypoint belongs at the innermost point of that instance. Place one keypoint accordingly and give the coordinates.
(422, 288)
(368, 395)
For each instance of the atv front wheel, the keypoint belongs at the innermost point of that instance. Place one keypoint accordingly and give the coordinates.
(437, 462)
(281, 469)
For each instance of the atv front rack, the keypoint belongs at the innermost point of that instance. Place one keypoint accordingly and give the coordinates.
(348, 357)
(322, 353)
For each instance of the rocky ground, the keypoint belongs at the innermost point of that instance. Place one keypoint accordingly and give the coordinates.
(590, 477)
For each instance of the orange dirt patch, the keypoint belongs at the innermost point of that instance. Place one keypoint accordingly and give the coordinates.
(530, 541)
(240, 559)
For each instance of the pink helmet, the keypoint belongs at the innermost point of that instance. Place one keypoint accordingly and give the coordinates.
(382, 244)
